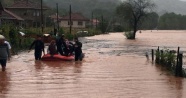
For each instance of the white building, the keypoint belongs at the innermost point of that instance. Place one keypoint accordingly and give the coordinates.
(78, 21)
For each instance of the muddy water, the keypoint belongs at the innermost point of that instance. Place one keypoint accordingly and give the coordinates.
(113, 68)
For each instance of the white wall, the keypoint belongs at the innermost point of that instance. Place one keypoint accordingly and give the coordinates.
(75, 24)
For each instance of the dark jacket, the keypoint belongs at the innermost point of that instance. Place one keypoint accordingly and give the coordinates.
(77, 47)
(4, 51)
(38, 45)
(60, 43)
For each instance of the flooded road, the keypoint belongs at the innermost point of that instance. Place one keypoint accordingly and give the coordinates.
(113, 68)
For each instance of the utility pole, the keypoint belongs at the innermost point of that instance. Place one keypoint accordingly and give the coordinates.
(70, 22)
(102, 28)
(96, 22)
(57, 17)
(92, 19)
(42, 26)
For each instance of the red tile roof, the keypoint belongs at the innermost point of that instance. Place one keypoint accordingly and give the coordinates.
(26, 5)
(9, 15)
(75, 17)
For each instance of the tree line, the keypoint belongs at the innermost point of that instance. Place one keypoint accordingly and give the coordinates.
(128, 13)
(167, 21)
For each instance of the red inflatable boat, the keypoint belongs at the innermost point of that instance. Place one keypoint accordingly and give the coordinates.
(57, 57)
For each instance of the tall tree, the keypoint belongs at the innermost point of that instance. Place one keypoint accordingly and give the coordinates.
(150, 22)
(134, 11)
(172, 21)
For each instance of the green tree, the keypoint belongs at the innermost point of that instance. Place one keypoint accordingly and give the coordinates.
(150, 22)
(172, 21)
(134, 11)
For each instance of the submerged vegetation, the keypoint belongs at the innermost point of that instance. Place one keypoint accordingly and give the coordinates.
(133, 11)
(128, 34)
(171, 61)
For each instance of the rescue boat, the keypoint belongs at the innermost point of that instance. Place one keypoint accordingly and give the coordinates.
(57, 57)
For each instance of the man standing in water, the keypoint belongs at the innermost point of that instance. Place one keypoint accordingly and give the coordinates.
(4, 53)
(78, 50)
(39, 47)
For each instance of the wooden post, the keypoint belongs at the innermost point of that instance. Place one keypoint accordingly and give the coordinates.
(162, 60)
(179, 68)
(158, 56)
(180, 64)
(177, 62)
(152, 55)
(178, 52)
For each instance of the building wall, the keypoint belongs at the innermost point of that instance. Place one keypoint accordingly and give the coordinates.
(26, 14)
(31, 16)
(76, 24)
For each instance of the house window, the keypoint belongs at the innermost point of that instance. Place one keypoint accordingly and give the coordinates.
(25, 14)
(38, 13)
(34, 14)
(80, 23)
(69, 22)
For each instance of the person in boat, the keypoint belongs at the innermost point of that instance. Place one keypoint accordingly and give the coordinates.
(70, 48)
(78, 50)
(52, 48)
(61, 45)
(4, 53)
(39, 47)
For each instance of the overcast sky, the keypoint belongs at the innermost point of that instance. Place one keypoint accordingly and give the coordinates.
(152, 0)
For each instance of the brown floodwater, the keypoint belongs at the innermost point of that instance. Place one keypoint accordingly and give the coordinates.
(114, 67)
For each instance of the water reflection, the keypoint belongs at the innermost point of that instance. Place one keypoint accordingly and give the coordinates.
(178, 83)
(4, 84)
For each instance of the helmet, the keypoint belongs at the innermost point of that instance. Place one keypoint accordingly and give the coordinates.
(2, 37)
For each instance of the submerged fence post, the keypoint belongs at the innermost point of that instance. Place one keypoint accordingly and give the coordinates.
(177, 62)
(178, 52)
(158, 56)
(179, 68)
(152, 55)
(162, 59)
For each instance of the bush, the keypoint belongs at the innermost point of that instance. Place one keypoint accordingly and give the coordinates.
(69, 36)
(166, 58)
(129, 34)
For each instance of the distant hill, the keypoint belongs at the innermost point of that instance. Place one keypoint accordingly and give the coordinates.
(163, 6)
(176, 6)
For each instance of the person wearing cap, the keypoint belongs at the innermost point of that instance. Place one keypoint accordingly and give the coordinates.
(39, 47)
(78, 50)
(4, 53)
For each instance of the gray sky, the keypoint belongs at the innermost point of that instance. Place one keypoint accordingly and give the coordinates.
(152, 0)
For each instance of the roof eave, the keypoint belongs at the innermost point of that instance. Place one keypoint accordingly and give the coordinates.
(77, 19)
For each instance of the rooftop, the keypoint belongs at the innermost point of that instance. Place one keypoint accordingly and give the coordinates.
(9, 15)
(26, 4)
(75, 16)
